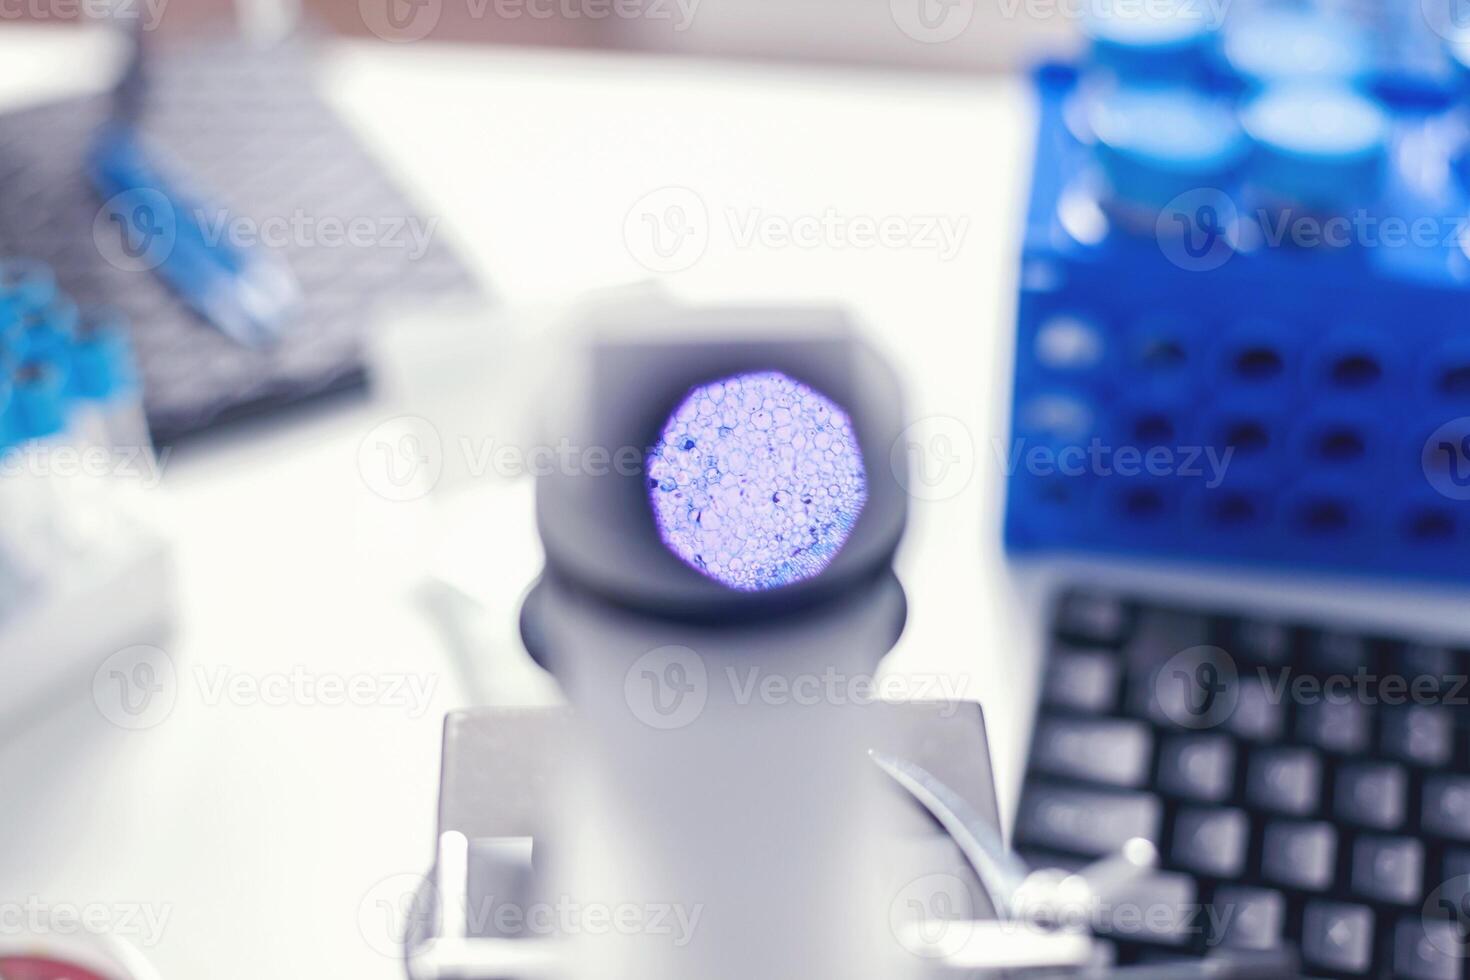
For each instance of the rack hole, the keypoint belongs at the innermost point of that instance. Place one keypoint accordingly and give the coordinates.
(1163, 354)
(1430, 524)
(1323, 515)
(1258, 363)
(1143, 502)
(1356, 371)
(1247, 437)
(1054, 493)
(1234, 510)
(1455, 381)
(1153, 429)
(1341, 444)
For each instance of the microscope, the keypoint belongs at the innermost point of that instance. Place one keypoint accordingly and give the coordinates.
(727, 792)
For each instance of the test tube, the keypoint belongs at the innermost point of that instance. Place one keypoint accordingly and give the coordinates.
(105, 380)
(1318, 147)
(1155, 144)
(48, 461)
(27, 282)
(1269, 46)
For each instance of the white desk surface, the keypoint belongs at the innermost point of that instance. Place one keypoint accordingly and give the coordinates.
(263, 832)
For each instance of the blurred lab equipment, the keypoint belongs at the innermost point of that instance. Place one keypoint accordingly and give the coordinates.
(843, 834)
(81, 955)
(1278, 392)
(257, 165)
(75, 531)
(1283, 382)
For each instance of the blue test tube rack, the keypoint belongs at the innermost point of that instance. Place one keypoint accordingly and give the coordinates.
(1243, 326)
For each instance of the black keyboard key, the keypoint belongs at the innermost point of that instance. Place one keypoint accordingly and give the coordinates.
(1162, 633)
(1257, 713)
(1388, 869)
(1331, 653)
(1083, 821)
(1167, 907)
(1247, 918)
(1419, 733)
(1259, 640)
(1418, 660)
(1454, 886)
(1111, 751)
(1211, 841)
(1299, 855)
(1446, 806)
(1427, 949)
(1093, 617)
(1372, 794)
(1193, 689)
(1197, 767)
(1336, 724)
(1337, 937)
(1083, 680)
(1284, 780)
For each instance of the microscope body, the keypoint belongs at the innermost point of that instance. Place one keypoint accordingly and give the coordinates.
(707, 802)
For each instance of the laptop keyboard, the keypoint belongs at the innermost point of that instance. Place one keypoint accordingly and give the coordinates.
(1305, 786)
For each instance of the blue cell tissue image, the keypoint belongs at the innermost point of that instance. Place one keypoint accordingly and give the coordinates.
(756, 481)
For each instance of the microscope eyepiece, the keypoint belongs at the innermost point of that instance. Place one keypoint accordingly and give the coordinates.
(756, 480)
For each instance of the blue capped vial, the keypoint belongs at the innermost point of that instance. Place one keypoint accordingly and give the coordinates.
(1168, 41)
(47, 330)
(1154, 144)
(1271, 46)
(1320, 147)
(39, 398)
(756, 481)
(105, 379)
(26, 283)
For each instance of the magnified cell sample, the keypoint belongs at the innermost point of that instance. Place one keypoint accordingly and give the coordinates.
(756, 481)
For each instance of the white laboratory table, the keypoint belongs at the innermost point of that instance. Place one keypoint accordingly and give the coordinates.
(270, 839)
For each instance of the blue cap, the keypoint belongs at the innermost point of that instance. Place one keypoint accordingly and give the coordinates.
(1165, 41)
(27, 283)
(1280, 45)
(48, 329)
(1157, 143)
(1319, 146)
(39, 397)
(101, 357)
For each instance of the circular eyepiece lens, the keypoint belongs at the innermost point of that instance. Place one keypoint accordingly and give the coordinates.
(756, 481)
